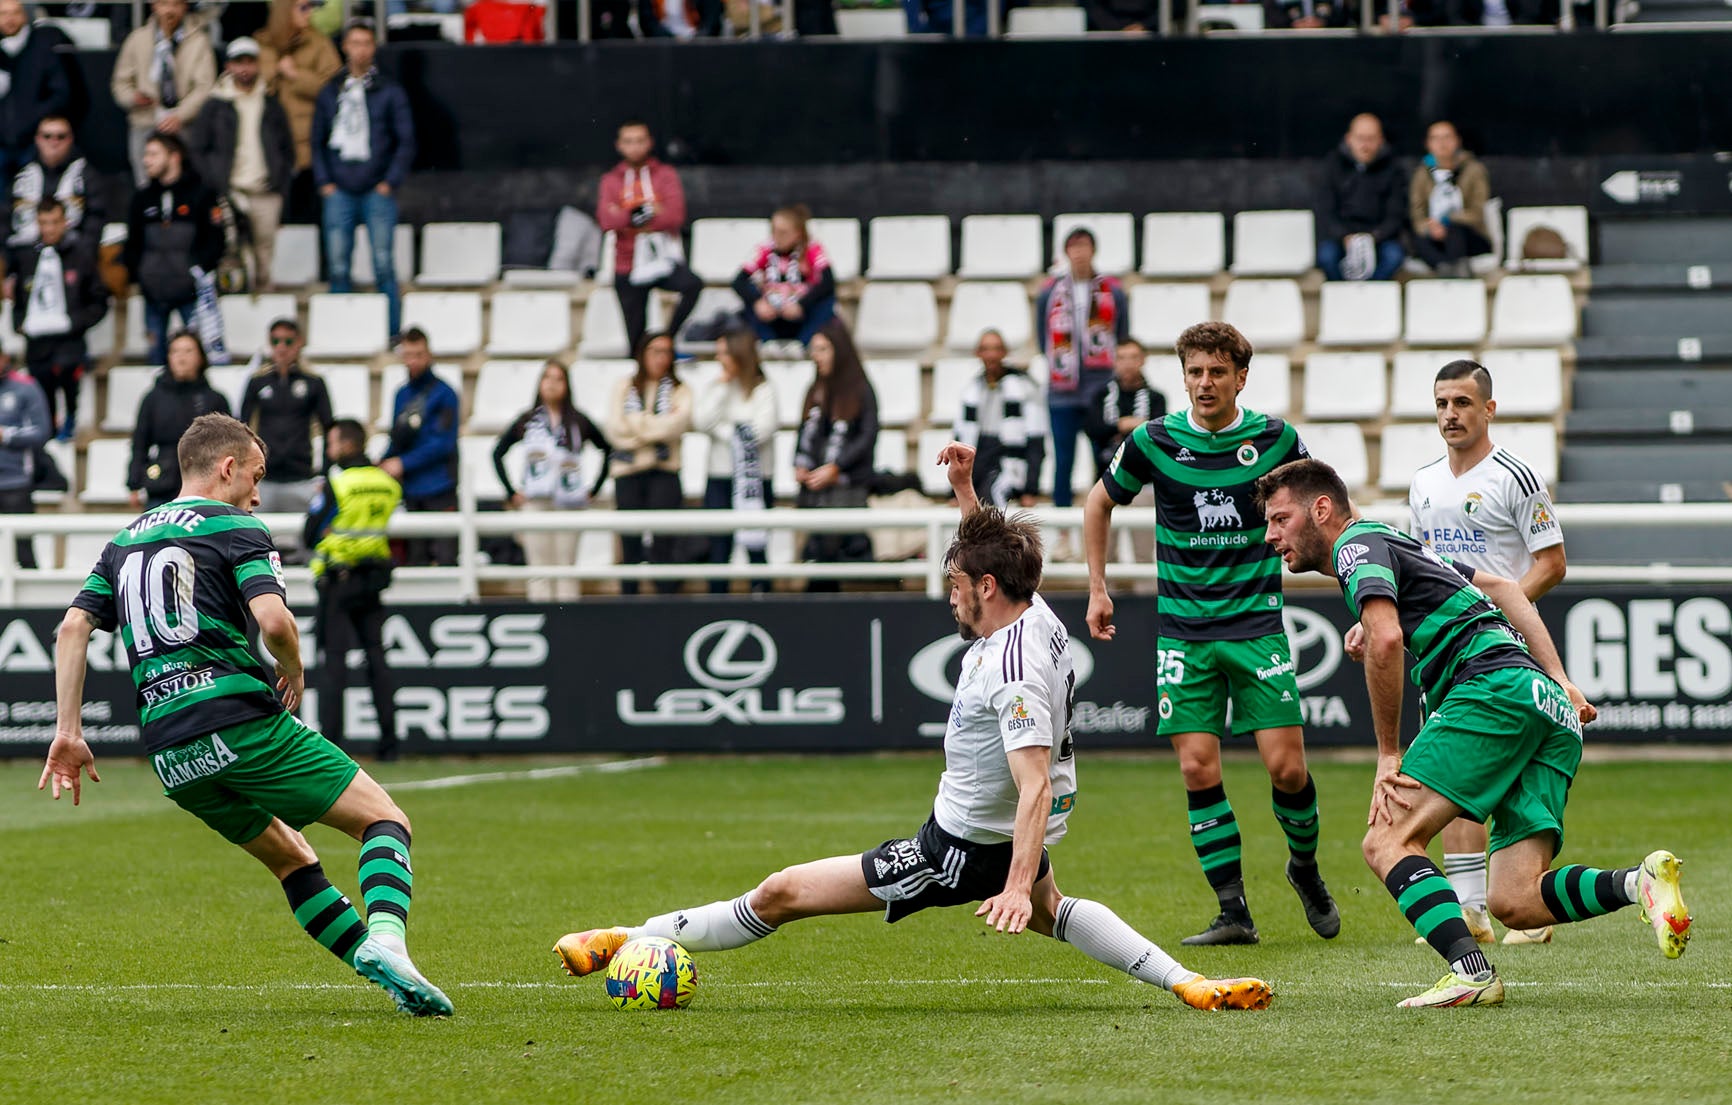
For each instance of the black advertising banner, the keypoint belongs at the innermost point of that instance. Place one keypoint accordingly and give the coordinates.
(855, 673)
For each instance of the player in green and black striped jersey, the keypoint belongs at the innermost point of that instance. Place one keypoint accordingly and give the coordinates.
(182, 584)
(1221, 638)
(1501, 740)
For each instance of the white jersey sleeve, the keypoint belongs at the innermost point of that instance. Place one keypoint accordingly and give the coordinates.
(1021, 698)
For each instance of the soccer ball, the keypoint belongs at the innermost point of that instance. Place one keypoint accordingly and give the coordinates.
(651, 973)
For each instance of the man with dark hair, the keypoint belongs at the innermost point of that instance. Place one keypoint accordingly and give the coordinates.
(1361, 208)
(57, 296)
(644, 205)
(187, 581)
(35, 83)
(58, 172)
(1008, 788)
(174, 238)
(352, 564)
(1080, 318)
(422, 455)
(1501, 741)
(288, 406)
(1222, 639)
(1003, 419)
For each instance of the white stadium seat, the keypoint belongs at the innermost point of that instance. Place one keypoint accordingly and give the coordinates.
(890, 451)
(694, 463)
(529, 324)
(790, 380)
(503, 390)
(908, 247)
(871, 23)
(475, 461)
(1408, 447)
(247, 321)
(1269, 312)
(230, 381)
(899, 317)
(721, 247)
(712, 302)
(933, 479)
(99, 339)
(135, 343)
(1184, 244)
(106, 462)
(897, 385)
(350, 387)
(452, 320)
(609, 253)
(1268, 386)
(1345, 386)
(604, 326)
(86, 32)
(1359, 312)
(1115, 239)
(65, 455)
(346, 325)
(394, 376)
(950, 375)
(1000, 247)
(1445, 312)
(841, 241)
(1525, 382)
(460, 255)
(1533, 310)
(1161, 312)
(1534, 442)
(1274, 243)
(1046, 23)
(1570, 222)
(126, 387)
(1411, 395)
(83, 549)
(402, 256)
(1341, 446)
(1082, 470)
(296, 260)
(1236, 17)
(1000, 305)
(592, 385)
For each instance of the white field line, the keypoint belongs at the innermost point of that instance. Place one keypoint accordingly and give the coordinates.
(566, 771)
(759, 984)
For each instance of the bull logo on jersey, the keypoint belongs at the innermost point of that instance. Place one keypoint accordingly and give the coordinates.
(1472, 503)
(1216, 510)
(1349, 558)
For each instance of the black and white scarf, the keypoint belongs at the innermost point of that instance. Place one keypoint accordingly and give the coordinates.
(1016, 396)
(664, 404)
(27, 195)
(162, 65)
(807, 453)
(46, 315)
(553, 470)
(748, 493)
(352, 131)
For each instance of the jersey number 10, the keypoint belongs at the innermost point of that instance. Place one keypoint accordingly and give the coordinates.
(156, 598)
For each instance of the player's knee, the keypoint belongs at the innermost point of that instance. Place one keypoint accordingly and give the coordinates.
(1199, 772)
(1517, 911)
(777, 896)
(1383, 847)
(1289, 773)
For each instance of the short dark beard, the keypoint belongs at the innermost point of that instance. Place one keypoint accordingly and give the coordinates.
(1312, 548)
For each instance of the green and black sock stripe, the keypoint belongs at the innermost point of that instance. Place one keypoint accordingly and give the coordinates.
(1215, 836)
(1431, 907)
(324, 911)
(1297, 815)
(387, 881)
(1575, 893)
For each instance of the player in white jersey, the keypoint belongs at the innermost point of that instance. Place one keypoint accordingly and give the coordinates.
(1009, 784)
(1483, 506)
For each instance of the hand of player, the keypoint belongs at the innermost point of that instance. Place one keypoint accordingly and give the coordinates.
(67, 757)
(959, 460)
(1007, 911)
(1386, 790)
(1584, 709)
(1100, 616)
(290, 686)
(1355, 643)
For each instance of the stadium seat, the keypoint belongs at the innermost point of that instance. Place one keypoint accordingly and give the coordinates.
(1408, 447)
(1359, 312)
(596, 548)
(1346, 386)
(933, 479)
(1274, 243)
(609, 253)
(1536, 443)
(106, 462)
(503, 390)
(592, 385)
(782, 482)
(230, 381)
(841, 241)
(908, 247)
(604, 325)
(789, 380)
(890, 451)
(1571, 222)
(529, 324)
(1269, 312)
(896, 317)
(1411, 393)
(65, 455)
(351, 389)
(247, 321)
(1184, 244)
(539, 278)
(1115, 239)
(700, 376)
(83, 549)
(1234, 17)
(694, 463)
(897, 385)
(1445, 312)
(1000, 247)
(1525, 382)
(86, 401)
(1046, 23)
(459, 255)
(1161, 312)
(452, 320)
(295, 263)
(126, 387)
(85, 32)
(1082, 470)
(393, 377)
(711, 303)
(99, 339)
(871, 23)
(950, 375)
(475, 464)
(721, 247)
(1268, 386)
(402, 256)
(1341, 446)
(1000, 305)
(1533, 310)
(346, 325)
(135, 343)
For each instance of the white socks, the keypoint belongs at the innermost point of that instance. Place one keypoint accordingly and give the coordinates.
(1466, 872)
(710, 928)
(1098, 933)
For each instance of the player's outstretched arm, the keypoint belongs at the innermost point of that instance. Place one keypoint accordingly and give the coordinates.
(1383, 663)
(1521, 613)
(69, 756)
(1010, 909)
(959, 460)
(1097, 528)
(282, 638)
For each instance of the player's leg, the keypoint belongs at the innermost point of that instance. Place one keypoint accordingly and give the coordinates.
(1464, 844)
(1293, 796)
(321, 909)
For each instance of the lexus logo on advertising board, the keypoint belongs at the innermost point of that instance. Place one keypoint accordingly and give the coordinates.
(732, 661)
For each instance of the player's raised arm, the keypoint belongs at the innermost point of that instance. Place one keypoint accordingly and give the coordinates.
(959, 460)
(69, 755)
(1508, 596)
(282, 638)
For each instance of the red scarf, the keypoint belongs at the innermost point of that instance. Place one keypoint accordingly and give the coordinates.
(1067, 355)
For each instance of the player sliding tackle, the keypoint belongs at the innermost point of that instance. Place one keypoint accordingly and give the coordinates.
(1008, 787)
(1501, 740)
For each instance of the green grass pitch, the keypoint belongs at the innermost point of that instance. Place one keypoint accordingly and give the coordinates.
(142, 960)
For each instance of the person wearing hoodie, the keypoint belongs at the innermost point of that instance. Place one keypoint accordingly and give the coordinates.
(642, 202)
(422, 455)
(1446, 203)
(174, 236)
(242, 145)
(36, 84)
(57, 295)
(1361, 210)
(59, 171)
(163, 74)
(181, 393)
(23, 429)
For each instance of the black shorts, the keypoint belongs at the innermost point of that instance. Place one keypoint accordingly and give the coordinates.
(933, 868)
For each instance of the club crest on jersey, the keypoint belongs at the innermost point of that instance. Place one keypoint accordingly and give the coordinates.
(1247, 454)
(1349, 558)
(1472, 503)
(1216, 510)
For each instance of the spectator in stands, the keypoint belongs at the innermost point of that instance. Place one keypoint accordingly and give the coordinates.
(363, 145)
(650, 411)
(24, 427)
(838, 440)
(174, 237)
(57, 296)
(554, 433)
(422, 455)
(289, 408)
(60, 171)
(1121, 404)
(297, 61)
(1307, 15)
(35, 85)
(1361, 209)
(242, 145)
(1446, 203)
(1081, 317)
(1004, 420)
(181, 393)
(1130, 17)
(787, 286)
(739, 414)
(643, 204)
(162, 76)
(938, 17)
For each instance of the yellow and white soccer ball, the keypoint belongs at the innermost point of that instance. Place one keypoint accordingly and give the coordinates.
(651, 973)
